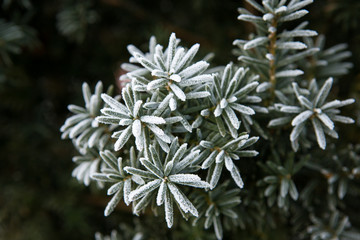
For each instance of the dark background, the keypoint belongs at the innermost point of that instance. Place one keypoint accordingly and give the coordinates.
(38, 197)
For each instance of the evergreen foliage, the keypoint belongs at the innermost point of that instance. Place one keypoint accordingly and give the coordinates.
(15, 35)
(183, 117)
(187, 148)
(73, 20)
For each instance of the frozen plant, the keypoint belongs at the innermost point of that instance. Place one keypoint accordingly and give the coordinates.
(178, 136)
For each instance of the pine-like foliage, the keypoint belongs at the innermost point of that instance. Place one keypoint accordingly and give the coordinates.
(15, 35)
(74, 20)
(314, 109)
(178, 136)
(88, 136)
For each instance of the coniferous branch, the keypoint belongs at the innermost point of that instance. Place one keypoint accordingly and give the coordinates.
(217, 204)
(326, 62)
(133, 117)
(341, 170)
(224, 151)
(88, 136)
(182, 120)
(13, 38)
(279, 182)
(335, 226)
(122, 183)
(231, 95)
(172, 71)
(82, 127)
(166, 175)
(274, 51)
(311, 107)
(88, 163)
(73, 20)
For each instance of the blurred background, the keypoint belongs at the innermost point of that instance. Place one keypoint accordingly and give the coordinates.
(49, 48)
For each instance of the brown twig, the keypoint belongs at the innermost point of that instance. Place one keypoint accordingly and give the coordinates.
(272, 50)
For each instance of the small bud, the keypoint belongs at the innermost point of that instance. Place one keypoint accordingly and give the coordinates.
(270, 57)
(268, 17)
(317, 110)
(272, 29)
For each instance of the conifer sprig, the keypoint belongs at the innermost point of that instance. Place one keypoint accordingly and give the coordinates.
(218, 204)
(166, 175)
(171, 72)
(327, 62)
(232, 100)
(224, 151)
(183, 121)
(274, 51)
(82, 127)
(88, 163)
(279, 181)
(122, 183)
(134, 117)
(312, 107)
